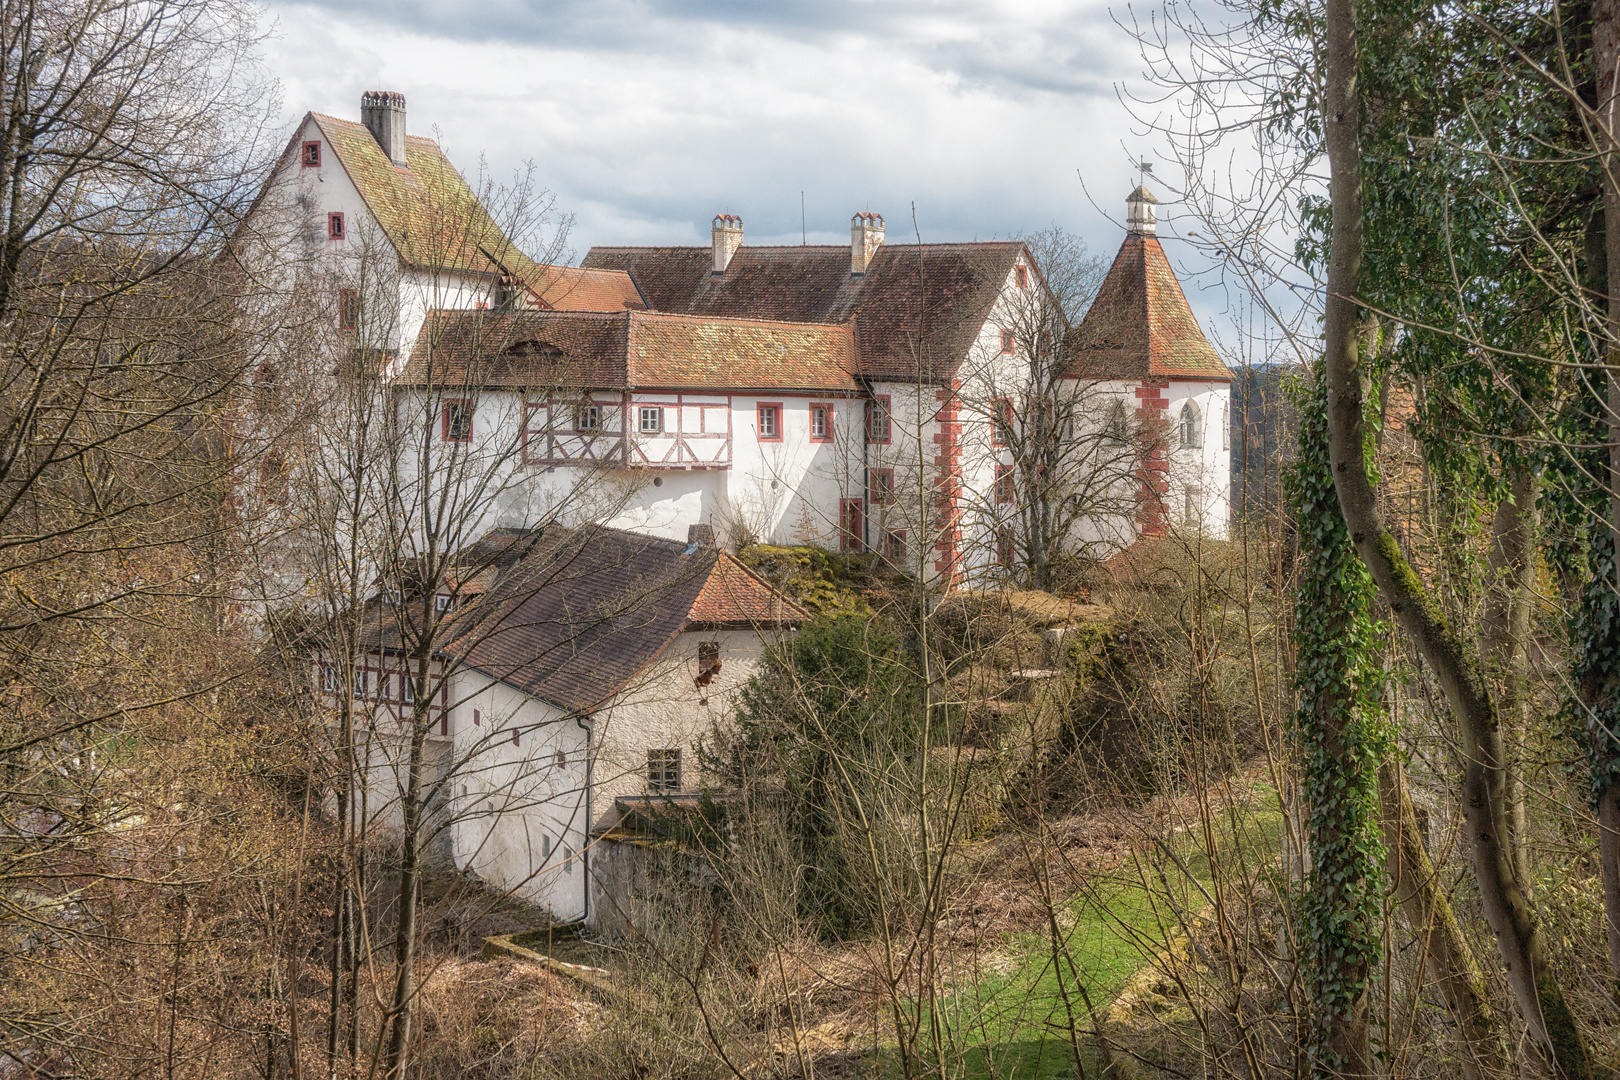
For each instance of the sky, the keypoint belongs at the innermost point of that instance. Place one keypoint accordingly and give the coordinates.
(991, 118)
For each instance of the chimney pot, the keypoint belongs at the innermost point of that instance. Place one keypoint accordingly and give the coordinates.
(865, 237)
(383, 113)
(727, 237)
(1140, 217)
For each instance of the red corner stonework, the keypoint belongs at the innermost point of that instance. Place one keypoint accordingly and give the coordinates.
(1153, 477)
(948, 483)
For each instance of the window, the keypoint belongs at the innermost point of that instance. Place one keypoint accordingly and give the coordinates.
(770, 423)
(851, 525)
(443, 602)
(328, 679)
(1118, 428)
(1002, 423)
(1006, 548)
(1189, 425)
(708, 655)
(1021, 276)
(312, 154)
(894, 545)
(516, 738)
(478, 718)
(1006, 489)
(359, 685)
(458, 420)
(348, 309)
(1226, 426)
(334, 226)
(588, 418)
(1006, 342)
(877, 420)
(880, 486)
(650, 420)
(664, 770)
(821, 422)
(1195, 510)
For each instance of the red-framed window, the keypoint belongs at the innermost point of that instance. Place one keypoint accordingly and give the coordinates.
(334, 226)
(877, 419)
(311, 156)
(851, 525)
(1006, 490)
(880, 486)
(1002, 423)
(348, 309)
(768, 415)
(821, 421)
(1006, 546)
(1006, 342)
(456, 420)
(1021, 276)
(894, 545)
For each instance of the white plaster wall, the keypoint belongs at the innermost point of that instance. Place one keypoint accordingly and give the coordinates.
(664, 710)
(1204, 472)
(787, 491)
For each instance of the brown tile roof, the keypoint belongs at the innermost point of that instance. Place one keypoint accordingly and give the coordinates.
(1140, 326)
(577, 614)
(427, 211)
(917, 310)
(632, 349)
(574, 288)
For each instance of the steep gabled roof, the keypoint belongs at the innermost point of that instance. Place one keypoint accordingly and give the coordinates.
(632, 349)
(917, 310)
(577, 615)
(1140, 326)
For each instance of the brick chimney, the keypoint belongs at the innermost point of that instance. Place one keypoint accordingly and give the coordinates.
(383, 113)
(865, 237)
(1140, 217)
(727, 237)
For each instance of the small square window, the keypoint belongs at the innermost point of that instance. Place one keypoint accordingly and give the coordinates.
(894, 545)
(457, 423)
(334, 226)
(880, 486)
(770, 423)
(821, 422)
(1021, 276)
(664, 770)
(588, 418)
(1006, 490)
(1006, 342)
(328, 679)
(651, 420)
(312, 154)
(877, 420)
(348, 309)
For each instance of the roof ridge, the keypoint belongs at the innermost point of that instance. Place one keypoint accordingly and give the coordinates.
(689, 317)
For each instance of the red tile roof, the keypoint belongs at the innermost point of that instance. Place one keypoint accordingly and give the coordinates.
(1140, 326)
(575, 615)
(917, 310)
(574, 288)
(632, 349)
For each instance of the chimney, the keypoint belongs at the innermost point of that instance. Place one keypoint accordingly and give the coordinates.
(865, 237)
(699, 536)
(383, 113)
(726, 235)
(1140, 217)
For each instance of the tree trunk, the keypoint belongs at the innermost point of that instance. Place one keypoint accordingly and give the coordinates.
(1456, 666)
(1450, 959)
(403, 1006)
(1504, 642)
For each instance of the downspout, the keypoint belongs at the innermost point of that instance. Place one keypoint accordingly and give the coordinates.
(585, 848)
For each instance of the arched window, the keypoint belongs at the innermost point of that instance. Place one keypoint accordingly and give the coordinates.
(1189, 425)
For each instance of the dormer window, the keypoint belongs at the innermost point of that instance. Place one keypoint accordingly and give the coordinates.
(334, 226)
(312, 154)
(443, 602)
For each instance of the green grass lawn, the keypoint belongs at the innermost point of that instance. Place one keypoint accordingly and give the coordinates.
(1015, 1025)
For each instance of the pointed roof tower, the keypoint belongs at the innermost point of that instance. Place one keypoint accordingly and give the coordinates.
(1140, 327)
